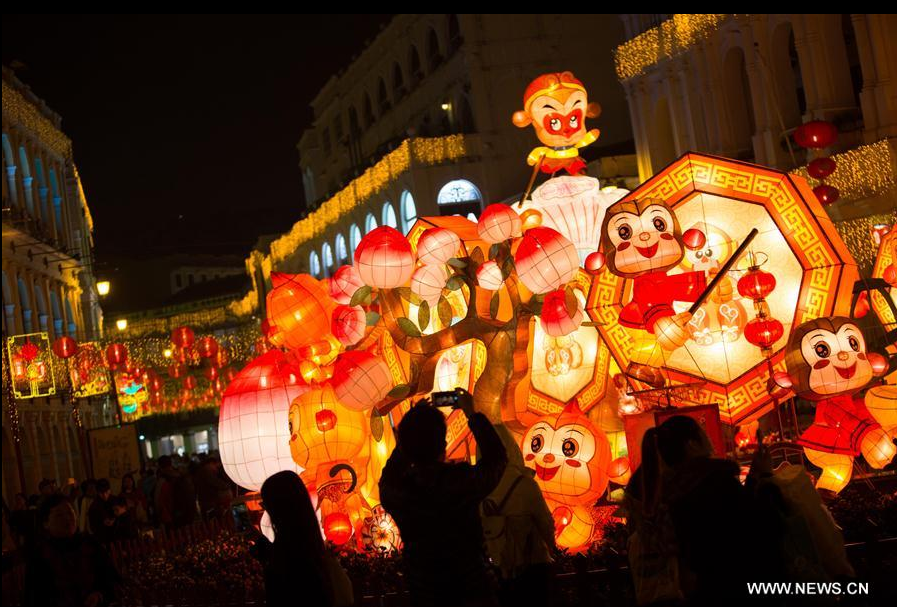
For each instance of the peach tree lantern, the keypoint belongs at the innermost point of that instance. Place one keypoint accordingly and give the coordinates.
(253, 431)
(384, 258)
(344, 283)
(827, 363)
(497, 223)
(348, 324)
(361, 380)
(300, 308)
(545, 260)
(437, 245)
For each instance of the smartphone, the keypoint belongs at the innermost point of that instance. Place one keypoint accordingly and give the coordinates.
(445, 399)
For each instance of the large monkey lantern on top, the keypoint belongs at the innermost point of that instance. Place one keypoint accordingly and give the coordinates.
(827, 363)
(557, 105)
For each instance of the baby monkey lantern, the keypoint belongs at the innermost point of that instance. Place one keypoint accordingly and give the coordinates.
(827, 363)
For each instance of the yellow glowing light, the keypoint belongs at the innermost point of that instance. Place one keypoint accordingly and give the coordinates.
(121, 324)
(862, 172)
(103, 288)
(446, 106)
(166, 352)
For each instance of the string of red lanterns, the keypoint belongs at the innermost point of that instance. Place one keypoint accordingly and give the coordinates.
(817, 135)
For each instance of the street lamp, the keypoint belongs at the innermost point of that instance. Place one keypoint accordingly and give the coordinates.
(121, 324)
(103, 288)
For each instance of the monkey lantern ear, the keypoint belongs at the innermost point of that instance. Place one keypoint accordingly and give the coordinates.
(521, 119)
(593, 110)
(879, 363)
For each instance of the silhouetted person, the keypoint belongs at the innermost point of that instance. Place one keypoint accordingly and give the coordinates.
(212, 491)
(294, 564)
(436, 506)
(100, 513)
(523, 530)
(66, 568)
(124, 526)
(88, 495)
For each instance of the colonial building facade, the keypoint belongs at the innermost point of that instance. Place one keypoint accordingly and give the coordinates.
(48, 285)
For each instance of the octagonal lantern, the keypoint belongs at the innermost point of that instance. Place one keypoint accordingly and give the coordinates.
(799, 244)
(884, 302)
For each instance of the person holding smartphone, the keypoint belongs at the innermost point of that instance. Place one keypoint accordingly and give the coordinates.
(436, 503)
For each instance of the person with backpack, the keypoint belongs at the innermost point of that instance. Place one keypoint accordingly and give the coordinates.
(519, 531)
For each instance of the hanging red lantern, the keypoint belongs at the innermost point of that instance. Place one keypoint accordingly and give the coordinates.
(300, 309)
(384, 258)
(175, 370)
(190, 382)
(816, 134)
(116, 355)
(348, 324)
(827, 194)
(337, 527)
(65, 347)
(763, 332)
(155, 383)
(756, 284)
(182, 337)
(821, 168)
(555, 318)
(207, 346)
(211, 373)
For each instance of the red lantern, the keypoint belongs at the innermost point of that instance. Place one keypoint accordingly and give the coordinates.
(182, 337)
(545, 260)
(211, 373)
(344, 283)
(116, 354)
(827, 194)
(594, 262)
(175, 370)
(756, 284)
(300, 309)
(489, 276)
(361, 380)
(155, 383)
(384, 258)
(427, 283)
(348, 324)
(816, 134)
(437, 245)
(65, 347)
(337, 527)
(498, 222)
(821, 168)
(556, 319)
(189, 382)
(207, 347)
(763, 332)
(694, 239)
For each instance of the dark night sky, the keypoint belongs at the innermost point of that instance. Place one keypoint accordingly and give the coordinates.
(184, 128)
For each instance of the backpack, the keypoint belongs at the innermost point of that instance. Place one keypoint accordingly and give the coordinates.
(499, 545)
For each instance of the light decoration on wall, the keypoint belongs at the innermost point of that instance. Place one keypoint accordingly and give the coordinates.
(31, 365)
(22, 112)
(863, 172)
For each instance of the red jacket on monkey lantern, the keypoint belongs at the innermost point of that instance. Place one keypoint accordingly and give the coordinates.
(642, 240)
(556, 105)
(827, 362)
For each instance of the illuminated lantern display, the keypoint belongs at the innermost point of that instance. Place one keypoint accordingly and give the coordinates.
(175, 370)
(556, 105)
(348, 324)
(436, 246)
(726, 199)
(300, 309)
(556, 317)
(427, 283)
(253, 433)
(489, 276)
(883, 300)
(380, 532)
(211, 373)
(497, 223)
(190, 382)
(337, 527)
(816, 134)
(756, 284)
(384, 258)
(827, 362)
(763, 332)
(182, 337)
(324, 433)
(344, 283)
(545, 260)
(361, 380)
(65, 347)
(132, 392)
(117, 355)
(571, 457)
(87, 371)
(31, 365)
(207, 347)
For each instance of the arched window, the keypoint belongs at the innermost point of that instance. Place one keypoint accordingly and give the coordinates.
(314, 264)
(415, 73)
(367, 111)
(342, 254)
(370, 223)
(434, 56)
(382, 98)
(354, 238)
(459, 197)
(388, 217)
(398, 82)
(409, 211)
(327, 259)
(353, 122)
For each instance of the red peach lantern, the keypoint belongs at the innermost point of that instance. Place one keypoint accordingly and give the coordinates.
(763, 332)
(189, 382)
(594, 262)
(182, 337)
(207, 347)
(65, 347)
(820, 168)
(337, 527)
(348, 324)
(384, 258)
(437, 245)
(827, 194)
(427, 283)
(253, 428)
(816, 134)
(361, 380)
(498, 223)
(545, 260)
(116, 354)
(300, 309)
(555, 318)
(344, 283)
(756, 284)
(489, 276)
